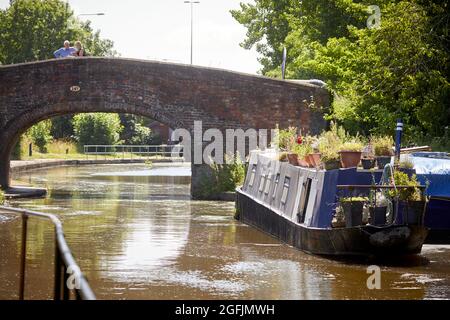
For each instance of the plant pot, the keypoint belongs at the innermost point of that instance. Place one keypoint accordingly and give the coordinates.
(410, 212)
(382, 161)
(315, 159)
(332, 165)
(293, 159)
(303, 163)
(378, 216)
(353, 213)
(367, 164)
(350, 159)
(309, 160)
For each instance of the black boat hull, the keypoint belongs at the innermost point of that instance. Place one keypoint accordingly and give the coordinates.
(356, 241)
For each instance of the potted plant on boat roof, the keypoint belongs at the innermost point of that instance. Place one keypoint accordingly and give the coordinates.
(411, 201)
(286, 142)
(383, 150)
(353, 210)
(313, 157)
(328, 144)
(351, 153)
(330, 159)
(302, 149)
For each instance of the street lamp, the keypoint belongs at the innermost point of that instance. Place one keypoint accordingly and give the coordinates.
(192, 23)
(91, 14)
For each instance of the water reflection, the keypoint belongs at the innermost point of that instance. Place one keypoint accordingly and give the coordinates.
(140, 238)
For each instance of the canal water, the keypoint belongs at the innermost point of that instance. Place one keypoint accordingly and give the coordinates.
(137, 235)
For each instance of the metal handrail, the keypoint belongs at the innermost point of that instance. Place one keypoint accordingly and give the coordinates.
(63, 259)
(164, 149)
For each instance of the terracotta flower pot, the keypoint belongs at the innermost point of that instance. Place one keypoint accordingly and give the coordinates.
(309, 160)
(303, 163)
(293, 159)
(350, 159)
(315, 159)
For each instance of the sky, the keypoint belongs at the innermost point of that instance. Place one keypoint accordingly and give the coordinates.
(160, 30)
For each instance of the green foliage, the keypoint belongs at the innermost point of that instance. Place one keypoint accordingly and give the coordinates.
(302, 149)
(142, 136)
(287, 138)
(2, 197)
(331, 141)
(97, 128)
(135, 130)
(224, 178)
(32, 30)
(406, 194)
(382, 145)
(353, 199)
(62, 127)
(377, 75)
(352, 146)
(40, 134)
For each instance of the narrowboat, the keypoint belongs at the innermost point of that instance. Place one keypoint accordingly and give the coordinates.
(305, 208)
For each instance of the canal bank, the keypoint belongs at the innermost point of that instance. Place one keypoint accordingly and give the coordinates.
(21, 166)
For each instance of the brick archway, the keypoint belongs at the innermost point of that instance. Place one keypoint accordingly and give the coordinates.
(173, 94)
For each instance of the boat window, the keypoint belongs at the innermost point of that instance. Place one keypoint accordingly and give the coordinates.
(284, 196)
(277, 180)
(262, 182)
(252, 176)
(304, 197)
(268, 181)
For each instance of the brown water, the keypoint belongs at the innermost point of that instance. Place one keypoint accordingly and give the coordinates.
(137, 236)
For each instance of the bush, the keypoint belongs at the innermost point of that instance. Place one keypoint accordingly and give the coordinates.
(97, 128)
(40, 134)
(142, 135)
(2, 197)
(225, 177)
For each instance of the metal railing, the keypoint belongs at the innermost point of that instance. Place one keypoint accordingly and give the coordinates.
(64, 260)
(125, 151)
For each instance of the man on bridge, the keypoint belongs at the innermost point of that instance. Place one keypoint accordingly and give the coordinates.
(66, 51)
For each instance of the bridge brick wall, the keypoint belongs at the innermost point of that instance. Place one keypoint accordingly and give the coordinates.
(176, 95)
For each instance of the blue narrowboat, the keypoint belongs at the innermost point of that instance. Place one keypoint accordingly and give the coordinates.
(305, 208)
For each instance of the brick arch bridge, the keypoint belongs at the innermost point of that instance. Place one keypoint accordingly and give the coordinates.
(173, 94)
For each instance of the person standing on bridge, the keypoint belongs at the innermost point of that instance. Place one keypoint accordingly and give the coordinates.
(79, 50)
(66, 51)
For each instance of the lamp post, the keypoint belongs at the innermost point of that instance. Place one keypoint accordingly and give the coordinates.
(91, 14)
(192, 25)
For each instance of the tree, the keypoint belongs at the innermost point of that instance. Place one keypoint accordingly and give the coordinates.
(32, 30)
(400, 70)
(40, 134)
(97, 128)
